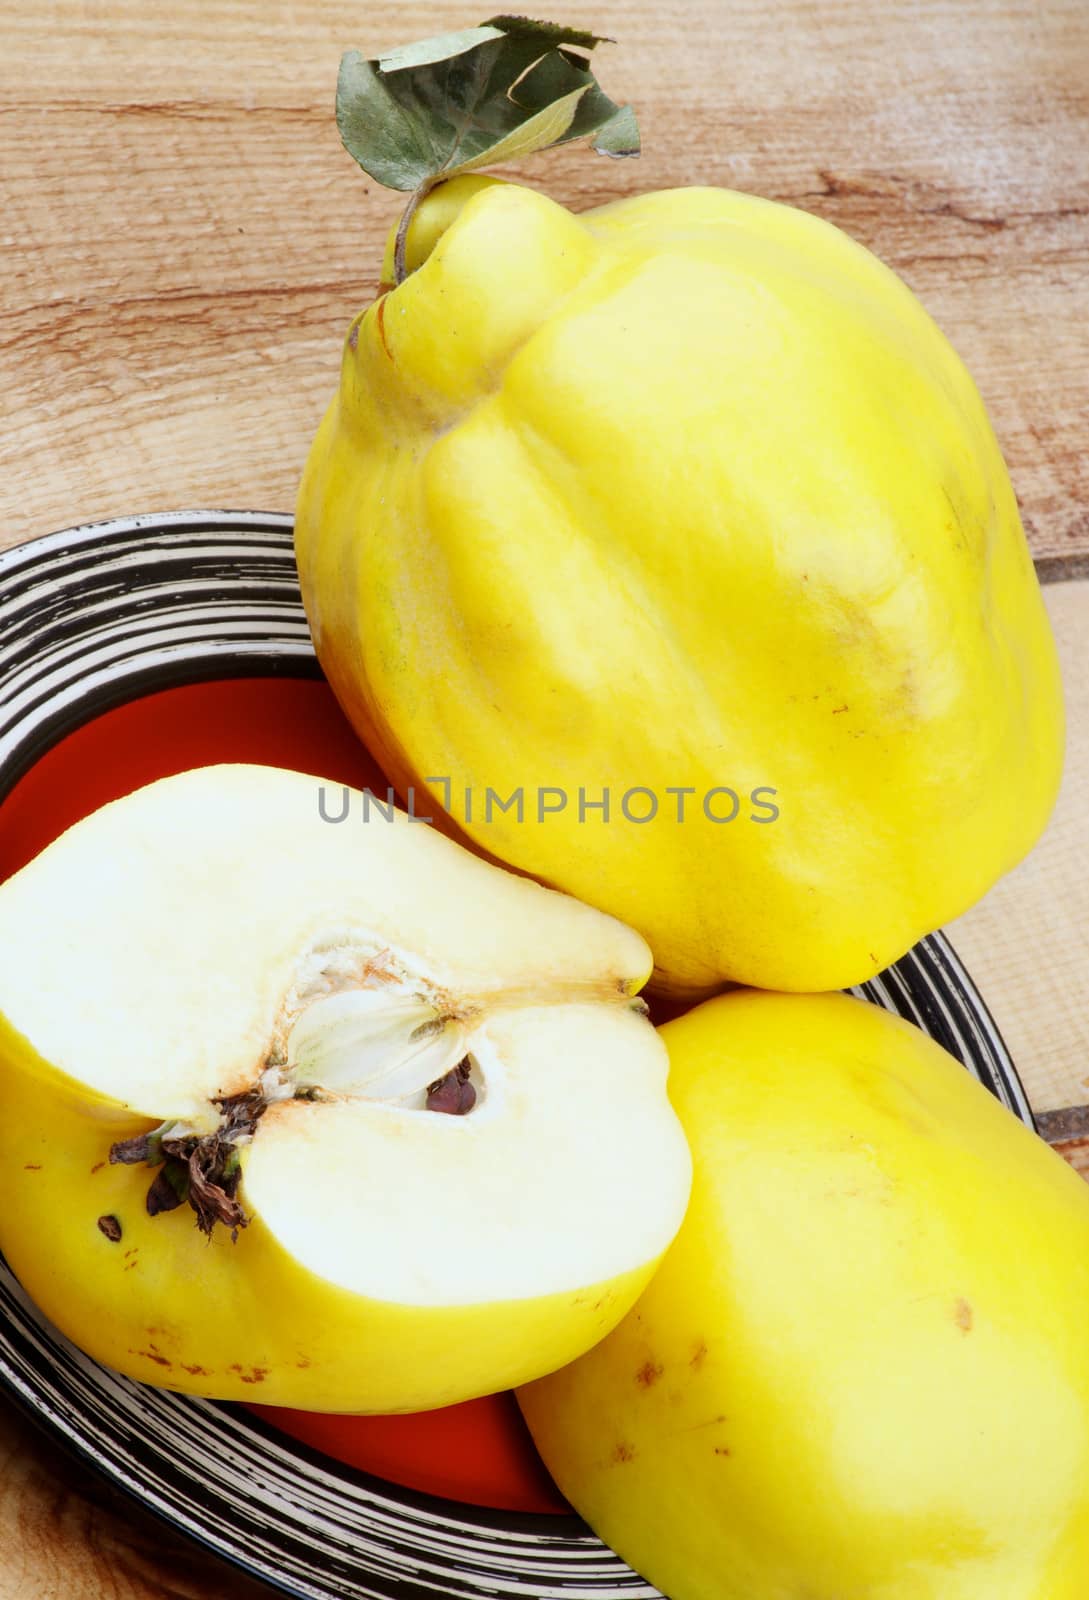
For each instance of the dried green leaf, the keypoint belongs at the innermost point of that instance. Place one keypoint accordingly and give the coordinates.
(441, 48)
(388, 142)
(554, 32)
(618, 137)
(459, 101)
(544, 128)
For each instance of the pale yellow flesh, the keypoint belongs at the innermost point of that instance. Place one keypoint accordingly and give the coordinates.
(862, 1372)
(543, 1187)
(191, 908)
(395, 1259)
(246, 1321)
(687, 492)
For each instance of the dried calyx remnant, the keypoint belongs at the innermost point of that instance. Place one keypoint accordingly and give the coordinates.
(203, 1170)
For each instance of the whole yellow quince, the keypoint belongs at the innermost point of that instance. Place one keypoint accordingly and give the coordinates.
(862, 1372)
(671, 548)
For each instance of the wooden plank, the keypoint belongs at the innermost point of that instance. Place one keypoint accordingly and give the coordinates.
(1025, 942)
(186, 241)
(65, 1532)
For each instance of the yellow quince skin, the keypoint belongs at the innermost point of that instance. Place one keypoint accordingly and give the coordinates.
(862, 1371)
(686, 495)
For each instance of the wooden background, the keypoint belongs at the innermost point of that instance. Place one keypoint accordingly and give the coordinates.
(183, 242)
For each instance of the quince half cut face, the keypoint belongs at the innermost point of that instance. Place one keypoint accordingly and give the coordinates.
(323, 1113)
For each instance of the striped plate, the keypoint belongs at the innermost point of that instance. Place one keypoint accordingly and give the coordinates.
(92, 618)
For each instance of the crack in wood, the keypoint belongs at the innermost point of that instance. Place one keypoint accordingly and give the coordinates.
(1069, 1125)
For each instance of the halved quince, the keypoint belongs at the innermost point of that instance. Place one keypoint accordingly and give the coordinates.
(231, 1034)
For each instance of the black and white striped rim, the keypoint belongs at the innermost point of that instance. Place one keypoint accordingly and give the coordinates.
(92, 618)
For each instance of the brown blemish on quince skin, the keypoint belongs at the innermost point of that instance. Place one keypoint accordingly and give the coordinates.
(623, 1452)
(380, 323)
(963, 1315)
(197, 1372)
(648, 1374)
(152, 1355)
(254, 1375)
(698, 1356)
(97, 1167)
(32, 1166)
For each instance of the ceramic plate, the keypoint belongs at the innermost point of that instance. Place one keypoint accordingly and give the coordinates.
(127, 614)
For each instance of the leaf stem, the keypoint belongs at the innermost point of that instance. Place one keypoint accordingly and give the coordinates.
(400, 244)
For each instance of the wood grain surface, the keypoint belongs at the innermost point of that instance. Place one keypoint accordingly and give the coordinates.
(183, 241)
(1026, 943)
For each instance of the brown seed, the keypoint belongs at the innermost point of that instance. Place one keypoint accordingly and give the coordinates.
(453, 1094)
(445, 1095)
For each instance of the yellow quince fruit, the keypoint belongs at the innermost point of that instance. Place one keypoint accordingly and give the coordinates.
(306, 1104)
(687, 507)
(670, 547)
(862, 1371)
